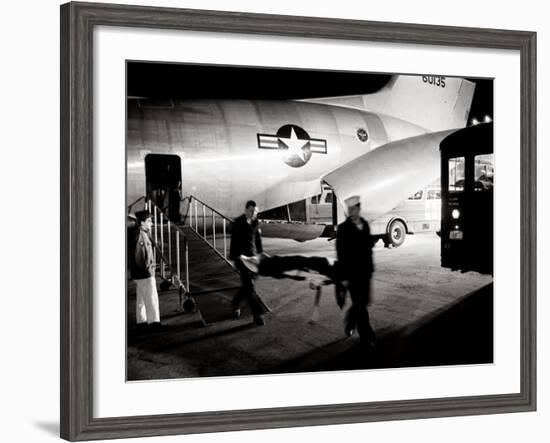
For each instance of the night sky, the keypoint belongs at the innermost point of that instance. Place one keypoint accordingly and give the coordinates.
(182, 81)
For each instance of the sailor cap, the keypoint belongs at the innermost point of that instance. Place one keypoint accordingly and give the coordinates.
(353, 201)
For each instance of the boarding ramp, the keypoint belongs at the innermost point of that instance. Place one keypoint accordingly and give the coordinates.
(192, 260)
(214, 277)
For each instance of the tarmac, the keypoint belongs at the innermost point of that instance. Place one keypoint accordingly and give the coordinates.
(422, 314)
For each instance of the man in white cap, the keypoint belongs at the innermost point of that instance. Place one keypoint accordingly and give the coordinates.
(354, 249)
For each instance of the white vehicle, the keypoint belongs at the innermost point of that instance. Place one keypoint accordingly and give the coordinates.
(320, 208)
(421, 212)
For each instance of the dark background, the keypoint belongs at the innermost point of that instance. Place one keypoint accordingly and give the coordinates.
(187, 81)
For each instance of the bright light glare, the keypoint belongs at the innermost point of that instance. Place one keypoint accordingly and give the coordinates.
(455, 213)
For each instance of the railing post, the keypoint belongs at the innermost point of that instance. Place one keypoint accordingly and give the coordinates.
(169, 245)
(204, 220)
(186, 266)
(161, 243)
(224, 240)
(156, 237)
(196, 217)
(178, 255)
(213, 229)
(190, 211)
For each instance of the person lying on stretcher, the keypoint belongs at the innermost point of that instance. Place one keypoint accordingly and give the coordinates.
(278, 266)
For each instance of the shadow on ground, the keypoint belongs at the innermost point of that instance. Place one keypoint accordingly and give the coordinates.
(458, 335)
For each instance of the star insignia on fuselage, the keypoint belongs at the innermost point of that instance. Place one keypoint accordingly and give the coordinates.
(295, 143)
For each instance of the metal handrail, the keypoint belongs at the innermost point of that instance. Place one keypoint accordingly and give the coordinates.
(157, 234)
(194, 216)
(175, 269)
(192, 197)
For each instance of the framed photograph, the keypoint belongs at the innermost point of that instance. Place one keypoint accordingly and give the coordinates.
(272, 221)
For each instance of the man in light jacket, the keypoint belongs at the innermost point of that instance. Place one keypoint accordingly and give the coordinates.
(142, 269)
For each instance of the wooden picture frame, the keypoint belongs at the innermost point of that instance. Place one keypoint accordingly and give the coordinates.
(77, 23)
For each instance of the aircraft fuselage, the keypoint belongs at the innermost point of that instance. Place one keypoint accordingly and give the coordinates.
(273, 152)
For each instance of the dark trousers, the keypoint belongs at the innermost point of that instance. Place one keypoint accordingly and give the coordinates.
(357, 316)
(247, 291)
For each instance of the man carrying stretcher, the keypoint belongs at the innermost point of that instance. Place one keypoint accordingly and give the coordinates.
(352, 272)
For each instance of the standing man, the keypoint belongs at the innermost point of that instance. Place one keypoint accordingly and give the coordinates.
(354, 249)
(142, 269)
(246, 240)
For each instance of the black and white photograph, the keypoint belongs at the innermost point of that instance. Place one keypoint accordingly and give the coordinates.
(286, 220)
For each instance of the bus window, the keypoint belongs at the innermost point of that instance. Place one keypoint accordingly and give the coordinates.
(484, 171)
(315, 199)
(328, 198)
(416, 196)
(456, 174)
(434, 194)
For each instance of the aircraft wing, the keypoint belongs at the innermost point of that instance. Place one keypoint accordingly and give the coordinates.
(389, 174)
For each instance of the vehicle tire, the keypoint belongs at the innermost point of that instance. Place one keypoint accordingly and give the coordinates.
(396, 234)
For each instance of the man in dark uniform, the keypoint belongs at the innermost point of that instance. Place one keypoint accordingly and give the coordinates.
(354, 249)
(142, 270)
(246, 240)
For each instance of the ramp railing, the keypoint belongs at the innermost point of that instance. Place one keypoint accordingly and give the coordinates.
(171, 250)
(172, 247)
(210, 225)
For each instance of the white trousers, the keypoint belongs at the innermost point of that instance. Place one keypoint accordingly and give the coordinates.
(147, 301)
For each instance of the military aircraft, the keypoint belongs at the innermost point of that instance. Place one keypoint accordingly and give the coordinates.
(382, 146)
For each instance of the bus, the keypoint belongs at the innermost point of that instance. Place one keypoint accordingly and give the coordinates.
(467, 176)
